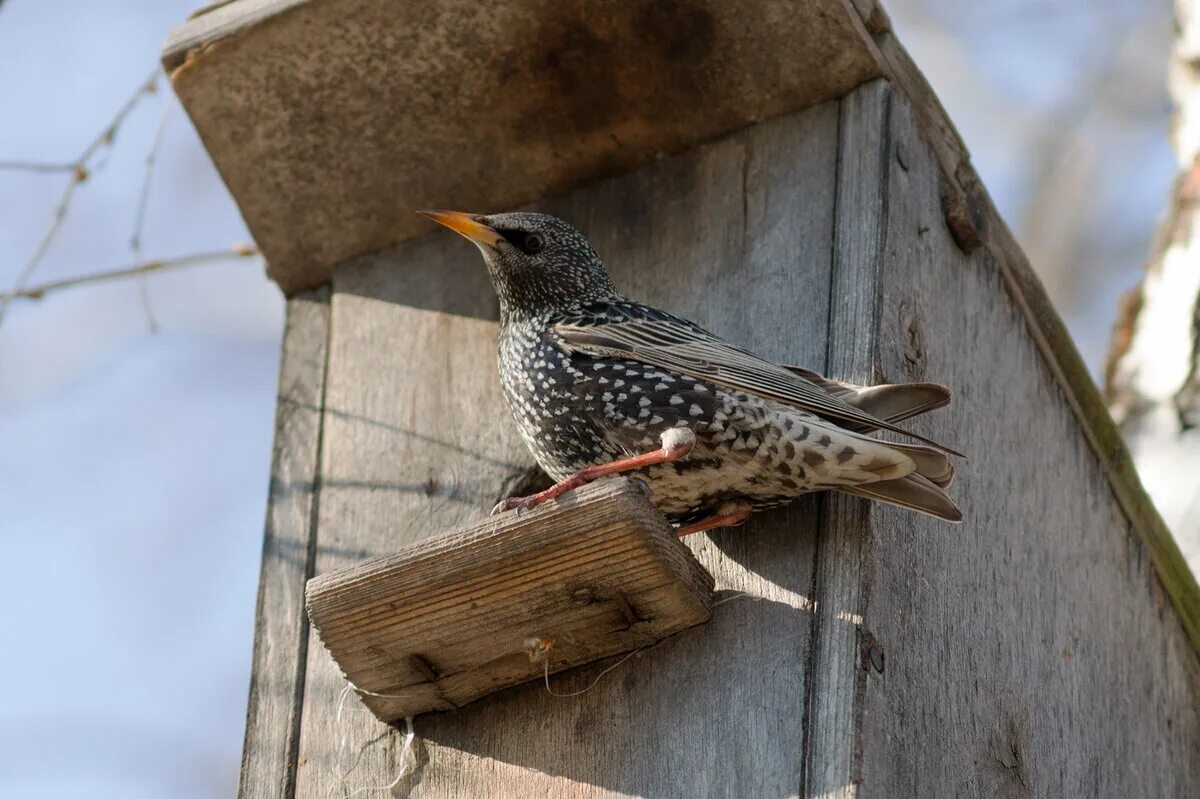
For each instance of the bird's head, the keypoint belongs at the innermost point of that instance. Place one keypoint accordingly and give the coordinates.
(538, 263)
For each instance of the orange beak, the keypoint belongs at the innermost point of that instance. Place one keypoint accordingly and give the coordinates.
(465, 225)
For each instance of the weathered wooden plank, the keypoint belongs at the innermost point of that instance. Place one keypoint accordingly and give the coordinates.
(1031, 652)
(736, 235)
(280, 629)
(859, 241)
(450, 619)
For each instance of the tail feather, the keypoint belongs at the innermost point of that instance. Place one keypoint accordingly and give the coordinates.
(896, 403)
(921, 490)
(891, 403)
(933, 465)
(912, 492)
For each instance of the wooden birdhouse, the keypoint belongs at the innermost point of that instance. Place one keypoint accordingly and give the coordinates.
(781, 173)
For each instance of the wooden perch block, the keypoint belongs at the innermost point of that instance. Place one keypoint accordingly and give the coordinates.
(454, 618)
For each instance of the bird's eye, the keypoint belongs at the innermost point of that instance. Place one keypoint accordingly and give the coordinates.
(534, 243)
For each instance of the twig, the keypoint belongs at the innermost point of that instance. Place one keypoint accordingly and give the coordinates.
(35, 166)
(79, 173)
(40, 291)
(135, 241)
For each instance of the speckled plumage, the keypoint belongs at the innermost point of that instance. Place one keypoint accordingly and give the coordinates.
(592, 377)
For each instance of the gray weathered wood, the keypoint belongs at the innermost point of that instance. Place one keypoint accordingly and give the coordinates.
(1031, 652)
(736, 235)
(280, 629)
(451, 619)
(859, 240)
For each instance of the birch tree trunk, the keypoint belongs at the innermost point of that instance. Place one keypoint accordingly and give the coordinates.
(1153, 381)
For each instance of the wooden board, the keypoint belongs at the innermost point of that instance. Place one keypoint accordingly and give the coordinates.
(736, 235)
(451, 619)
(834, 709)
(280, 628)
(1031, 651)
(451, 104)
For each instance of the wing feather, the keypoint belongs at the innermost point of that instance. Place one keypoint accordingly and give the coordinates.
(679, 346)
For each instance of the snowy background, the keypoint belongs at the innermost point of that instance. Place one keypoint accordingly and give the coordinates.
(134, 464)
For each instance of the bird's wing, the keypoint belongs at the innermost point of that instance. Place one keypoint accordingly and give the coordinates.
(677, 345)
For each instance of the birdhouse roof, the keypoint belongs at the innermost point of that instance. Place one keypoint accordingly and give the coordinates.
(332, 120)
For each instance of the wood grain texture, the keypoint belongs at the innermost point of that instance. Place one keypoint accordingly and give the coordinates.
(449, 620)
(736, 235)
(280, 629)
(860, 231)
(484, 107)
(969, 210)
(1030, 651)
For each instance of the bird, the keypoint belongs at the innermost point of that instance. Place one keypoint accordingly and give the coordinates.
(599, 384)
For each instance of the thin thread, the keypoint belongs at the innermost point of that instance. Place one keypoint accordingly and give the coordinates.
(738, 595)
(546, 674)
(408, 762)
(408, 757)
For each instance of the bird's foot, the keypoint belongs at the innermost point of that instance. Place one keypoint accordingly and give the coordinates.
(729, 514)
(515, 503)
(676, 443)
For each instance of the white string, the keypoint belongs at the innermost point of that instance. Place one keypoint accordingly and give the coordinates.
(408, 757)
(737, 595)
(408, 762)
(591, 685)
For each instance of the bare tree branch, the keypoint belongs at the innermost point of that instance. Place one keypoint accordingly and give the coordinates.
(135, 241)
(35, 166)
(196, 259)
(79, 173)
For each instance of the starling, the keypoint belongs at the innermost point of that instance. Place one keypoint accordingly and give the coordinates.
(599, 384)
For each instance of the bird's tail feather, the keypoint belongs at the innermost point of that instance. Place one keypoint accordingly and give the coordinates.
(895, 403)
(932, 464)
(913, 492)
(891, 403)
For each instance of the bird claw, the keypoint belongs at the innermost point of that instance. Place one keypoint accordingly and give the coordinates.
(641, 485)
(514, 503)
